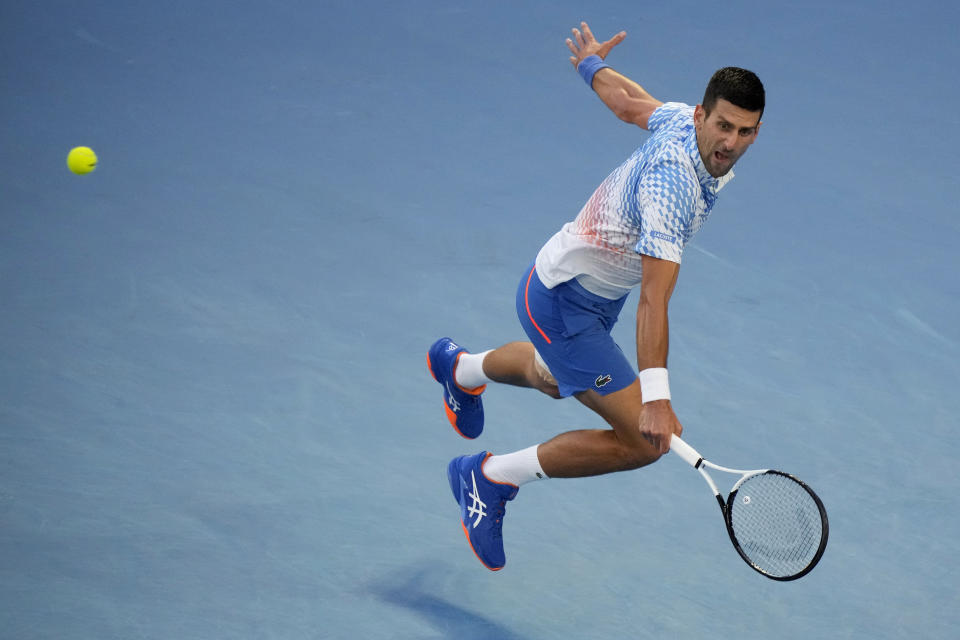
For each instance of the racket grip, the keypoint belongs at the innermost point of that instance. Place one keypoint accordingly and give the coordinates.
(685, 451)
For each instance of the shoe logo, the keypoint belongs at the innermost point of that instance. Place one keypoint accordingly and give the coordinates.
(452, 347)
(602, 380)
(451, 401)
(477, 507)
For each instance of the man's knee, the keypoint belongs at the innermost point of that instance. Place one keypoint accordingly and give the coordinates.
(638, 454)
(621, 409)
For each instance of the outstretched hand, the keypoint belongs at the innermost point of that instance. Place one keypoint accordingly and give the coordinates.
(583, 44)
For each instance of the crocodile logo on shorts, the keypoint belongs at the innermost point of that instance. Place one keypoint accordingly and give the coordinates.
(602, 380)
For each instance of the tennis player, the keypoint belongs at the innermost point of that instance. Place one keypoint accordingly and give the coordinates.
(631, 232)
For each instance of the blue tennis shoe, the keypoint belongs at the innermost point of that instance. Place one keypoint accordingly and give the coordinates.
(464, 407)
(483, 503)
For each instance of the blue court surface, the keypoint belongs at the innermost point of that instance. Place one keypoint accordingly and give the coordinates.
(215, 416)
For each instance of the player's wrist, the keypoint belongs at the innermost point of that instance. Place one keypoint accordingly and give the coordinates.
(655, 384)
(588, 67)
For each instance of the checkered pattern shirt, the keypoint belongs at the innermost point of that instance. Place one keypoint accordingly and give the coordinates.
(652, 204)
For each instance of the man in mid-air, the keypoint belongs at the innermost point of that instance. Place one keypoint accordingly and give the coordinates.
(631, 232)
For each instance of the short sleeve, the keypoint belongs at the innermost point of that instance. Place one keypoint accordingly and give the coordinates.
(668, 208)
(664, 114)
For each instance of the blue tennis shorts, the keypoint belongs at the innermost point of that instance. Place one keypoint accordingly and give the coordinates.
(570, 329)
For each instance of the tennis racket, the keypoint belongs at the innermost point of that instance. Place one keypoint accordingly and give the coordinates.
(777, 523)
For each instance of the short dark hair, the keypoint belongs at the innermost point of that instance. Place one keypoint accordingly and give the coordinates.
(737, 86)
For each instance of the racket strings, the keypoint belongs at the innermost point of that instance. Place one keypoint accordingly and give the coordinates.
(776, 523)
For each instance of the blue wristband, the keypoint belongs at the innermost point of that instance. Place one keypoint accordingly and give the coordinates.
(589, 66)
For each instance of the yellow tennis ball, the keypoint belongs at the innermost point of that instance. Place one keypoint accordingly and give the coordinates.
(81, 160)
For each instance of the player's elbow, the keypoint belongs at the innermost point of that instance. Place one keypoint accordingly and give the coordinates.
(631, 110)
(624, 108)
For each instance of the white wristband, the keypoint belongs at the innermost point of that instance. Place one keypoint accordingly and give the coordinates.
(654, 384)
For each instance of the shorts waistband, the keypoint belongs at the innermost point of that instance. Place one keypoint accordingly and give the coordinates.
(589, 295)
(601, 288)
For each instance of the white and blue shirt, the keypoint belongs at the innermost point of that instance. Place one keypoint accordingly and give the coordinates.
(652, 204)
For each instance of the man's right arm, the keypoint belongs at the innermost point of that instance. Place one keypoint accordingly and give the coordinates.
(628, 100)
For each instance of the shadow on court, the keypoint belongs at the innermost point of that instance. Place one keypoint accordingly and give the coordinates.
(412, 592)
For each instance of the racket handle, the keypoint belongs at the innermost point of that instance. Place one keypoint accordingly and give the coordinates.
(685, 451)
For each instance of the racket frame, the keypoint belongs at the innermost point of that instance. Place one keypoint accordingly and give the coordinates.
(690, 455)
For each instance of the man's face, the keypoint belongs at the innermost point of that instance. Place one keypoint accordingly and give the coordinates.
(724, 135)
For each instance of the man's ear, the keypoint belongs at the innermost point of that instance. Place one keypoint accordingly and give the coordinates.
(699, 115)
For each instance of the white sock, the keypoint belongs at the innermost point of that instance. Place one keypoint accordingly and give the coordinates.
(516, 468)
(469, 372)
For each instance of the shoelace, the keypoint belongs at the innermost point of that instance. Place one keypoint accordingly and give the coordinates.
(497, 529)
(473, 401)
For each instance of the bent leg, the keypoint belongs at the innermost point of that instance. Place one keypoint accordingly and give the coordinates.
(515, 363)
(591, 452)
